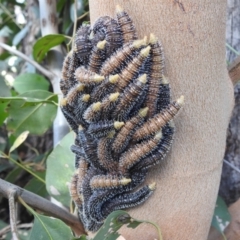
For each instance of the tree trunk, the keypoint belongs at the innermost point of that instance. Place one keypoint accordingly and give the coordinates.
(193, 38)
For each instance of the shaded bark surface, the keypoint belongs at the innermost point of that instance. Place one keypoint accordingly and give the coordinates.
(230, 179)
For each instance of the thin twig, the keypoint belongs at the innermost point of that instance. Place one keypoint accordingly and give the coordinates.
(12, 210)
(6, 229)
(83, 15)
(41, 69)
(43, 205)
(232, 166)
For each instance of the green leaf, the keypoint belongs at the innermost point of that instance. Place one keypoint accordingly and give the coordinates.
(3, 112)
(221, 217)
(60, 168)
(37, 117)
(20, 139)
(112, 224)
(45, 228)
(37, 187)
(30, 81)
(4, 89)
(114, 221)
(13, 175)
(44, 44)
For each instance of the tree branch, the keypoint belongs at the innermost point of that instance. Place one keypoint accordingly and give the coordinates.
(41, 69)
(12, 209)
(43, 205)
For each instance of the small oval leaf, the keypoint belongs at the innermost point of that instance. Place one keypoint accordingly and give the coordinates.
(20, 139)
(30, 81)
(60, 168)
(44, 44)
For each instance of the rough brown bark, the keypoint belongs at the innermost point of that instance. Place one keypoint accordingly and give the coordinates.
(193, 37)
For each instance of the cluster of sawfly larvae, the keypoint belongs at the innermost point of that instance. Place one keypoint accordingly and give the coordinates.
(117, 101)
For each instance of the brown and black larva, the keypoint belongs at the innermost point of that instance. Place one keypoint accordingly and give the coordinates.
(117, 101)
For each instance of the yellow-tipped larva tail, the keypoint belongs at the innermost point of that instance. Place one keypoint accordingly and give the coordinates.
(63, 102)
(152, 39)
(125, 181)
(143, 112)
(113, 78)
(143, 78)
(145, 40)
(96, 106)
(158, 135)
(85, 97)
(171, 124)
(119, 9)
(80, 127)
(165, 80)
(118, 125)
(152, 186)
(139, 43)
(180, 100)
(97, 78)
(101, 44)
(114, 96)
(111, 134)
(145, 52)
(80, 87)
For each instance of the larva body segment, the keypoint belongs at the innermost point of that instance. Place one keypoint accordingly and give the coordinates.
(105, 154)
(83, 45)
(81, 171)
(74, 94)
(129, 97)
(164, 95)
(106, 87)
(103, 181)
(123, 55)
(157, 155)
(88, 77)
(108, 104)
(97, 57)
(128, 200)
(89, 145)
(82, 105)
(74, 191)
(156, 72)
(132, 156)
(158, 121)
(132, 69)
(93, 112)
(68, 114)
(65, 82)
(126, 25)
(107, 28)
(124, 135)
(102, 128)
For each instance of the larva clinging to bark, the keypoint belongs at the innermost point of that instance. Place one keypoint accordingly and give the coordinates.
(126, 25)
(124, 135)
(159, 120)
(121, 56)
(103, 181)
(132, 156)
